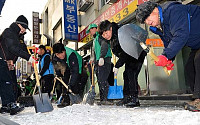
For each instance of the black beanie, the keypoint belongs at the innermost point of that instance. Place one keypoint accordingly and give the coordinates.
(144, 10)
(23, 21)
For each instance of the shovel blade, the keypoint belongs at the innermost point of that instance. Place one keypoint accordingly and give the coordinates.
(89, 98)
(42, 103)
(75, 98)
(115, 92)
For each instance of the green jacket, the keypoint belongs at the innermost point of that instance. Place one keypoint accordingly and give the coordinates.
(69, 52)
(102, 48)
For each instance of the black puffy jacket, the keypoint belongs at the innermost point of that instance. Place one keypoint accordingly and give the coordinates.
(11, 46)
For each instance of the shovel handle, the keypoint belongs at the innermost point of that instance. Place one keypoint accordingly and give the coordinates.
(36, 75)
(64, 85)
(92, 66)
(153, 56)
(53, 86)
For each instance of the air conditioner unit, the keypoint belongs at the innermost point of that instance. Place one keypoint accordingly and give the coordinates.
(84, 5)
(110, 1)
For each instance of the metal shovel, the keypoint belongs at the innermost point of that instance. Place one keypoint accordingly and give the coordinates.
(74, 98)
(90, 95)
(41, 101)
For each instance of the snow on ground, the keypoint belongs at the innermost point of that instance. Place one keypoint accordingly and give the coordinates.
(108, 115)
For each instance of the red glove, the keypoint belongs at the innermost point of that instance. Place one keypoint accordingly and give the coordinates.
(162, 61)
(170, 65)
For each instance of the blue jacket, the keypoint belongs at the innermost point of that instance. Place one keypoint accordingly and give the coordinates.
(181, 27)
(50, 69)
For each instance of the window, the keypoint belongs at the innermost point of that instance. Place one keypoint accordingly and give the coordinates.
(102, 3)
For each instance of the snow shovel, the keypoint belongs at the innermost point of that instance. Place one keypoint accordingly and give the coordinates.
(74, 98)
(90, 95)
(5, 121)
(41, 100)
(115, 92)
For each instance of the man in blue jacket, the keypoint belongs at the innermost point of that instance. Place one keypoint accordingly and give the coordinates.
(178, 26)
(46, 70)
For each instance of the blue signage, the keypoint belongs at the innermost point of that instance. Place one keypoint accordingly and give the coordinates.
(70, 20)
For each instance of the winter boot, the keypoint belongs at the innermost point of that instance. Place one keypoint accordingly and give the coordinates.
(4, 109)
(65, 101)
(14, 109)
(123, 101)
(133, 101)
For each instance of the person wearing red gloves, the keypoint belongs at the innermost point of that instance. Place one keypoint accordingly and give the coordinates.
(178, 26)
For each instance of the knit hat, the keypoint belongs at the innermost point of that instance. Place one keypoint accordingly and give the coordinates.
(23, 21)
(144, 10)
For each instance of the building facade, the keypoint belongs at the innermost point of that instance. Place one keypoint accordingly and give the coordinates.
(120, 11)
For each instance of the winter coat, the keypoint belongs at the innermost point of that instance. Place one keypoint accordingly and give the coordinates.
(102, 49)
(10, 45)
(180, 25)
(118, 51)
(45, 65)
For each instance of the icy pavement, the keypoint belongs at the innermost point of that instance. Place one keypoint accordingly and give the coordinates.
(108, 115)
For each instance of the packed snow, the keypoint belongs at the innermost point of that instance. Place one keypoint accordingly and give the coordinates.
(108, 115)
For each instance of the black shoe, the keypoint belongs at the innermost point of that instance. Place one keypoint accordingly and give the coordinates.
(65, 101)
(62, 105)
(14, 109)
(133, 102)
(4, 109)
(123, 101)
(105, 102)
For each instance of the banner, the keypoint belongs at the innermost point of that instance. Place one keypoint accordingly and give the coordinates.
(36, 28)
(70, 20)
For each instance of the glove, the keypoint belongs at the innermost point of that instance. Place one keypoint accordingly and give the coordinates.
(32, 76)
(91, 61)
(115, 70)
(162, 61)
(170, 65)
(101, 62)
(155, 30)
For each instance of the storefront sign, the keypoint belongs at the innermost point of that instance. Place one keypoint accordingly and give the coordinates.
(141, 1)
(155, 42)
(36, 28)
(115, 13)
(70, 20)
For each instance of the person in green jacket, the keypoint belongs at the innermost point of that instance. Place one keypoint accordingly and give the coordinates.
(102, 58)
(76, 80)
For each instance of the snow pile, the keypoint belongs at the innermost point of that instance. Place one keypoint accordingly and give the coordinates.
(107, 115)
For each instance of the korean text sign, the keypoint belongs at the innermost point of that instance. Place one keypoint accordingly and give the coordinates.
(70, 20)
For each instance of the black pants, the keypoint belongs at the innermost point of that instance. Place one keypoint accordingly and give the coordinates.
(6, 86)
(47, 83)
(192, 72)
(130, 76)
(102, 77)
(111, 76)
(14, 82)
